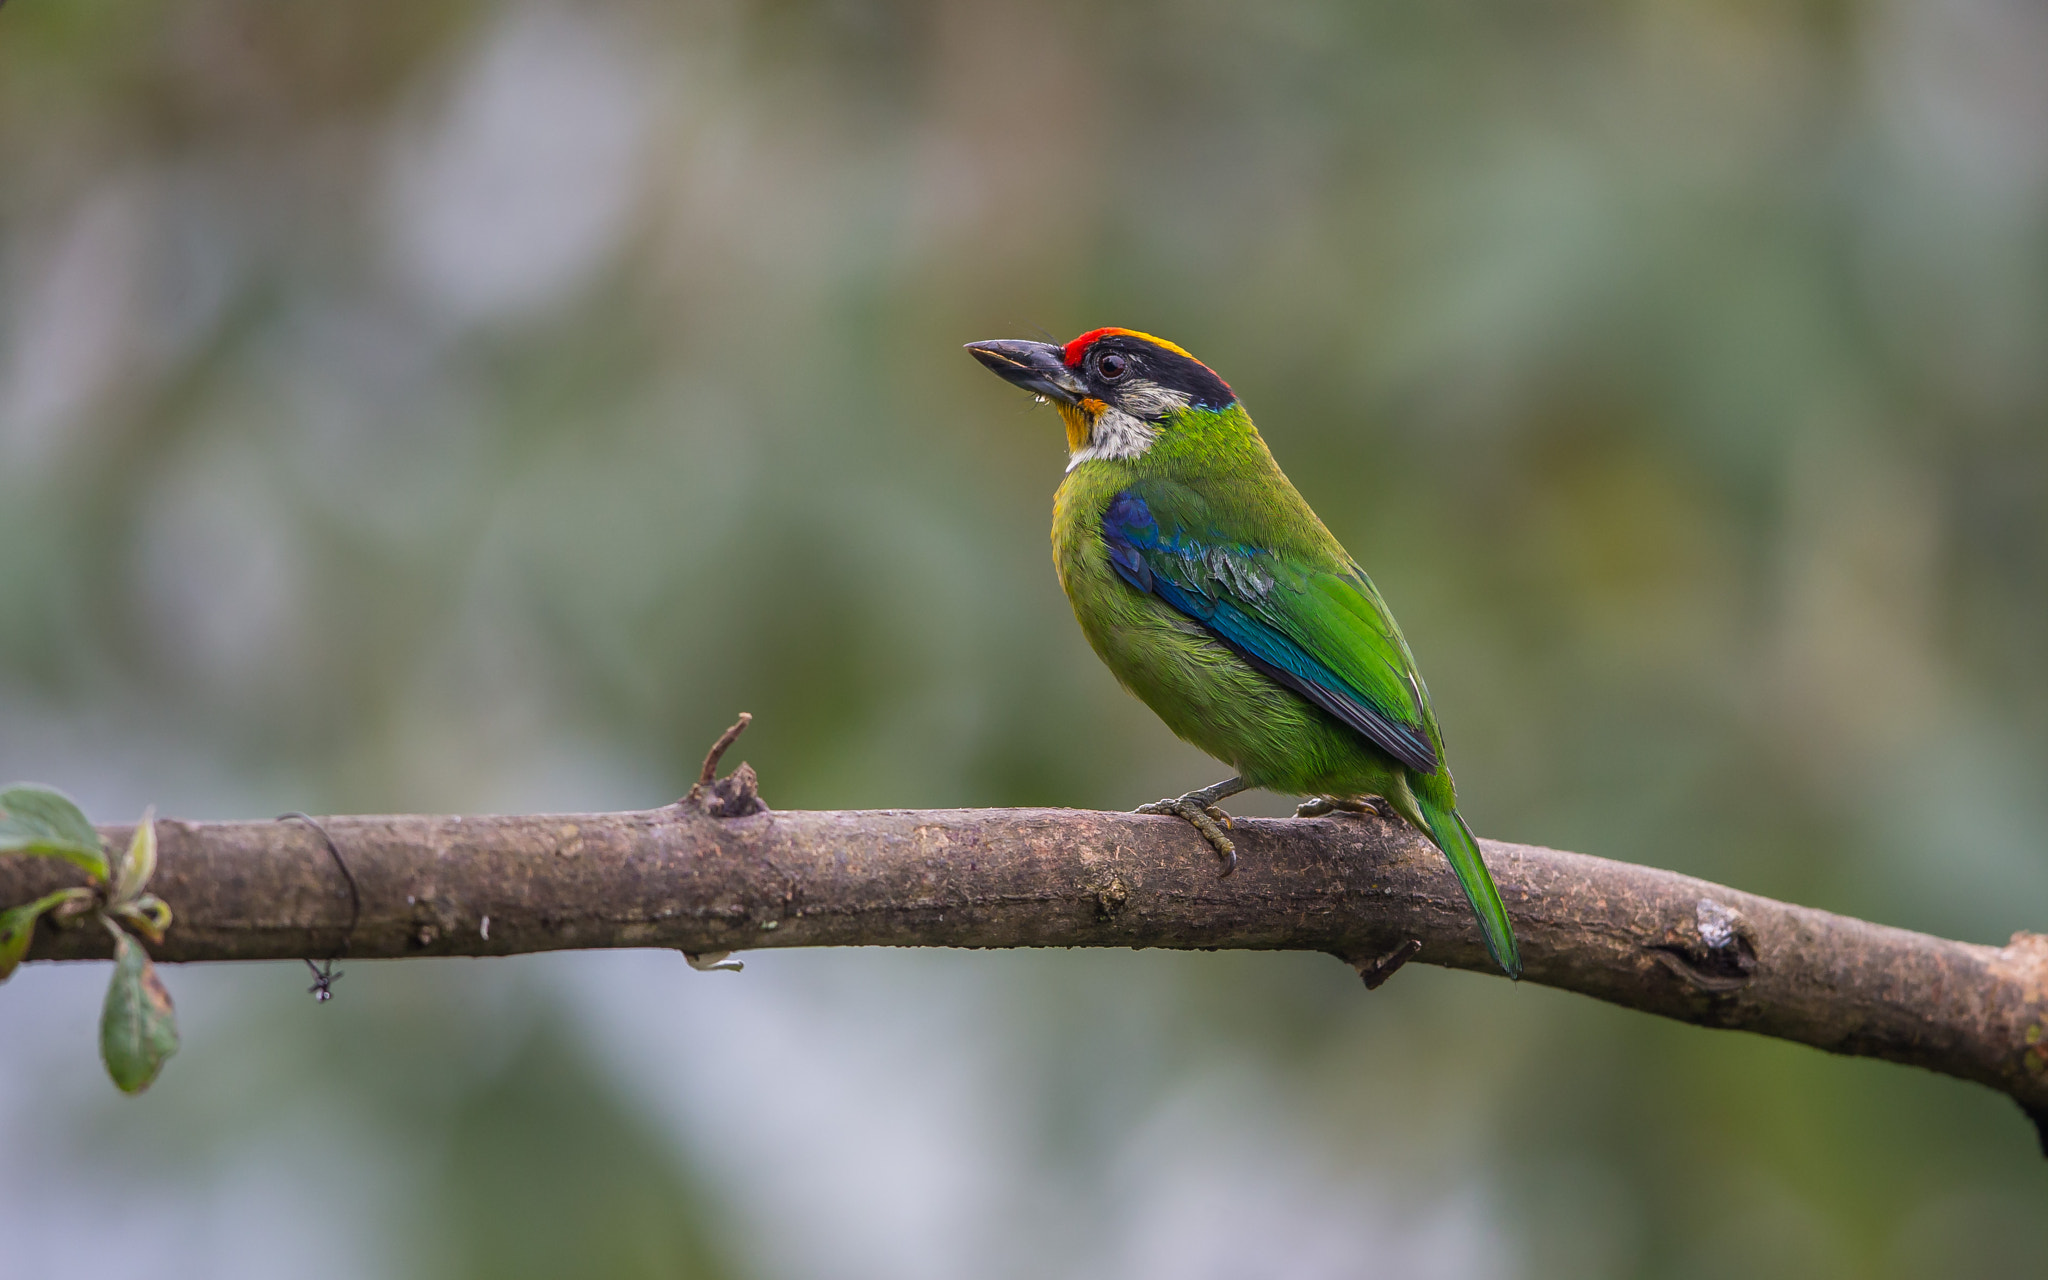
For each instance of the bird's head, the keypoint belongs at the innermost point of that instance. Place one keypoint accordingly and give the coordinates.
(1118, 389)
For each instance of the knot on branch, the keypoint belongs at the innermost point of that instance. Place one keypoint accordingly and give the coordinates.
(1111, 897)
(432, 920)
(2029, 954)
(737, 794)
(1716, 955)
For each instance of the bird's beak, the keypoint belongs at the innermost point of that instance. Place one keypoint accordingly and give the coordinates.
(1038, 367)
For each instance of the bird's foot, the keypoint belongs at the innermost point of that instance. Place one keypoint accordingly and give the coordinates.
(1209, 819)
(1317, 806)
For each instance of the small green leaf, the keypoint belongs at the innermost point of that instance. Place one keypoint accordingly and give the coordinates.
(139, 863)
(37, 820)
(138, 1030)
(18, 926)
(149, 914)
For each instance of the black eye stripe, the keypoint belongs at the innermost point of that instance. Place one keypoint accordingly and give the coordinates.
(1147, 363)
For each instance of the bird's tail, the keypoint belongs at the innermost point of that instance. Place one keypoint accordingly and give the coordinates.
(1452, 836)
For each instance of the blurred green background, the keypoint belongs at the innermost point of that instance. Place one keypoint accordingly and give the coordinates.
(463, 406)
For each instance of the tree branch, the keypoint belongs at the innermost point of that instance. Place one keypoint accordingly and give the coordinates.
(1359, 887)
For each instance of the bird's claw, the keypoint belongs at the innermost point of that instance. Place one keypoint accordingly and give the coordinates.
(1317, 806)
(1208, 819)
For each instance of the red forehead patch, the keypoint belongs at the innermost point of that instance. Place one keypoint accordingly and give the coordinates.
(1079, 346)
(1074, 350)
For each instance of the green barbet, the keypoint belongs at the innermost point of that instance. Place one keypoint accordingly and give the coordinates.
(1213, 592)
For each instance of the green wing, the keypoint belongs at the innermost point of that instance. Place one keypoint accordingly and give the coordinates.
(1324, 633)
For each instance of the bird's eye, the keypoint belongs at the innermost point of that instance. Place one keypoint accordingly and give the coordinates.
(1111, 367)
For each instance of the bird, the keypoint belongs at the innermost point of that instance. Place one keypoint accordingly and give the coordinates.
(1203, 580)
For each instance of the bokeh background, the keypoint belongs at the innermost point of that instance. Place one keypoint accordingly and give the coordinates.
(469, 406)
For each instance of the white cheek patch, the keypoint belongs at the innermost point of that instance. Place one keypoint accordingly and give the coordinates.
(1150, 400)
(1115, 434)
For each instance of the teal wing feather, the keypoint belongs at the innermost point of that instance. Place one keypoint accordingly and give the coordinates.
(1322, 631)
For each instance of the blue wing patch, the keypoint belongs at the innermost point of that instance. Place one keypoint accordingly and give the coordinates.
(1175, 569)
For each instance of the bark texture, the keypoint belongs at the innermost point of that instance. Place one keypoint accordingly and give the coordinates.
(1364, 889)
